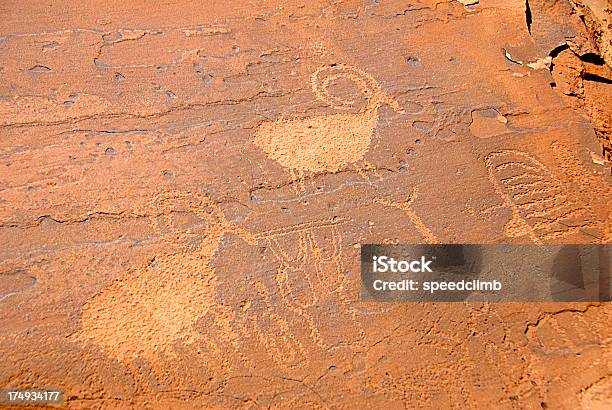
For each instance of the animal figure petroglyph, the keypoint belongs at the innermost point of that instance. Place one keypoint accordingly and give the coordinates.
(326, 143)
(541, 208)
(143, 314)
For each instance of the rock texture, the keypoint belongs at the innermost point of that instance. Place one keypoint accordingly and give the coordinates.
(184, 187)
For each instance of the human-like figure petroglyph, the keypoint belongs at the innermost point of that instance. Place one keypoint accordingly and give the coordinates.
(310, 272)
(143, 314)
(305, 250)
(414, 218)
(541, 208)
(326, 143)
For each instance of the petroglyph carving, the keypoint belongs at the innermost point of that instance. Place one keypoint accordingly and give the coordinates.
(310, 275)
(414, 218)
(151, 308)
(326, 143)
(541, 208)
(306, 252)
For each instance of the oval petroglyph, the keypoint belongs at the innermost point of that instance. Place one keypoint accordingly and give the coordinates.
(541, 208)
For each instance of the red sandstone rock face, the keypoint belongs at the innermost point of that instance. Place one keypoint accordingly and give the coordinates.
(184, 188)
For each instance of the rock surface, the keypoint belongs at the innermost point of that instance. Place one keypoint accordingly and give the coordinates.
(168, 240)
